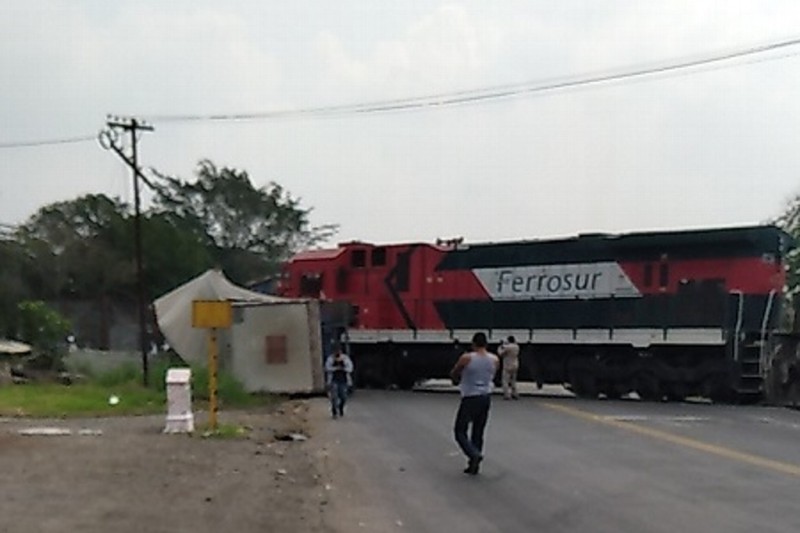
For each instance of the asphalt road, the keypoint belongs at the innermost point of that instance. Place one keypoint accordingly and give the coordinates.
(557, 464)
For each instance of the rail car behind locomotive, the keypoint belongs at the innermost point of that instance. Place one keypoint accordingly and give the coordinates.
(666, 314)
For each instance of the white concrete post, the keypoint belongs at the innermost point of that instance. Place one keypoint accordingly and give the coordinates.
(180, 418)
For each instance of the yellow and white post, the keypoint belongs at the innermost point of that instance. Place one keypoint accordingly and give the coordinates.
(212, 315)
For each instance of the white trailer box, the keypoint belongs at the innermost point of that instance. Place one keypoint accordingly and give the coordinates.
(274, 344)
(276, 347)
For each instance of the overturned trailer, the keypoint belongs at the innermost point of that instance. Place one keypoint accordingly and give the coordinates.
(274, 344)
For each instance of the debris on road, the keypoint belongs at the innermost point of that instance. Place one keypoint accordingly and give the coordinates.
(44, 432)
(58, 432)
(291, 437)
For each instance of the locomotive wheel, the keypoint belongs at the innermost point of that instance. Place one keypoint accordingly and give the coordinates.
(748, 398)
(648, 387)
(584, 385)
(612, 394)
(370, 376)
(676, 392)
(716, 388)
(723, 397)
(406, 381)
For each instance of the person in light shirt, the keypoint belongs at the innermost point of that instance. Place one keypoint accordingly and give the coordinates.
(509, 354)
(339, 370)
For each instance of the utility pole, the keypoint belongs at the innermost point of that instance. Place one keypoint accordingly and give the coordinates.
(109, 140)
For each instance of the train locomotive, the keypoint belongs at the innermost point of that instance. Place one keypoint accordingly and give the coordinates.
(664, 314)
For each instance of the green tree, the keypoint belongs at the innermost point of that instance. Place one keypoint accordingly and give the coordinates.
(12, 288)
(77, 248)
(172, 253)
(789, 221)
(251, 230)
(46, 330)
(84, 249)
(41, 326)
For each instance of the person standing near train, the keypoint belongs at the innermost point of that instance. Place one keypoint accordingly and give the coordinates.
(509, 354)
(339, 370)
(474, 372)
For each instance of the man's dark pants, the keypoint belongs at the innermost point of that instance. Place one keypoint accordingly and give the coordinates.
(338, 396)
(472, 410)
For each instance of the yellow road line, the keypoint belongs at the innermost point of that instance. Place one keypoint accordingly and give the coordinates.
(686, 442)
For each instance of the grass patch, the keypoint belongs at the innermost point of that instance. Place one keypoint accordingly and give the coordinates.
(85, 399)
(90, 398)
(230, 393)
(123, 375)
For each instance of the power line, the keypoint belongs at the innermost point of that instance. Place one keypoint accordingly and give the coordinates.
(48, 142)
(473, 96)
(480, 95)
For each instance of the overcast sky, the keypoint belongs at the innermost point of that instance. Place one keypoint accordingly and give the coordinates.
(708, 147)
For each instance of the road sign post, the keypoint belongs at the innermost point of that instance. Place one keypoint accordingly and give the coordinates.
(212, 315)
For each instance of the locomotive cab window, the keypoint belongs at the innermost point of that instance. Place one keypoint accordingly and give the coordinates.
(648, 275)
(663, 275)
(341, 279)
(378, 257)
(403, 272)
(358, 258)
(310, 285)
(354, 312)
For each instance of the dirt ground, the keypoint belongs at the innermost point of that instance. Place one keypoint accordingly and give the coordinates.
(133, 478)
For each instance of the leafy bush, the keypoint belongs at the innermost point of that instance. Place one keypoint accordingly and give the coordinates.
(123, 374)
(45, 329)
(229, 390)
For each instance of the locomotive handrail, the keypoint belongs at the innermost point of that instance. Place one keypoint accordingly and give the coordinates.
(738, 328)
(764, 321)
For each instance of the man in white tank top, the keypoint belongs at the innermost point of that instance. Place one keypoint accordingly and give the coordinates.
(474, 372)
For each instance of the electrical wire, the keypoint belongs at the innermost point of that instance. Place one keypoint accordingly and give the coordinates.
(49, 142)
(52, 142)
(475, 96)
